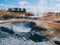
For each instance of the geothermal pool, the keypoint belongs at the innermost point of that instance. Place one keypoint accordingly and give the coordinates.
(22, 33)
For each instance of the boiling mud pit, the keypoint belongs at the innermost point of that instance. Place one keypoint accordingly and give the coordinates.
(23, 33)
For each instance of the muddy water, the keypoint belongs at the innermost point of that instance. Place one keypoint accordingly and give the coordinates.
(22, 33)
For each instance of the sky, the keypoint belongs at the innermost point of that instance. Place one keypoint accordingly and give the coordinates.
(32, 5)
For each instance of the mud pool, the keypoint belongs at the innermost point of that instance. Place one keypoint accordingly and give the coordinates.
(22, 33)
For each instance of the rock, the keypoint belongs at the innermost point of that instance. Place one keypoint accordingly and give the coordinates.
(56, 42)
(38, 38)
(6, 30)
